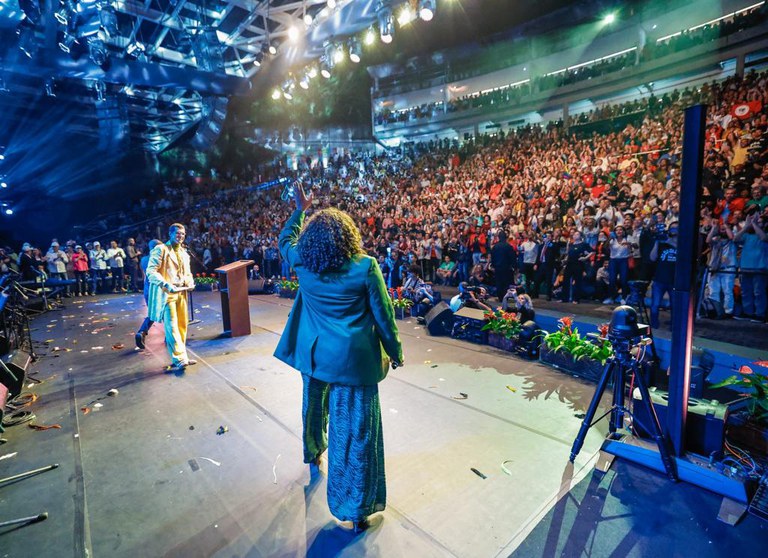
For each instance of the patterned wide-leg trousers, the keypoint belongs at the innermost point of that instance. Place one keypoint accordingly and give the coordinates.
(352, 416)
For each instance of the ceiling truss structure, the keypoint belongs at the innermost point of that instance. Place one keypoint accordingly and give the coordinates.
(244, 28)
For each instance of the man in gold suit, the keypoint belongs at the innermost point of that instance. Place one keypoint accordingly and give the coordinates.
(170, 277)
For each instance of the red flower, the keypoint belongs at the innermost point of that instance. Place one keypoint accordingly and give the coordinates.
(566, 322)
(745, 370)
(603, 328)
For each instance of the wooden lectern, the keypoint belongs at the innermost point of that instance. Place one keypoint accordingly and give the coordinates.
(233, 285)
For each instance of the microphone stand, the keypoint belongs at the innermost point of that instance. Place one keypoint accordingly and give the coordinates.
(189, 292)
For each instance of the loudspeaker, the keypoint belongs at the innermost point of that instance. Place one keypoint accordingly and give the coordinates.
(439, 320)
(13, 371)
(705, 427)
(468, 325)
(256, 286)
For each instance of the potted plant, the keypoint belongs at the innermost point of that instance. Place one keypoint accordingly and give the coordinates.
(568, 350)
(503, 329)
(205, 282)
(287, 288)
(402, 305)
(749, 428)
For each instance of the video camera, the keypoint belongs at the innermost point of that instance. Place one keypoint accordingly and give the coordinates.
(624, 332)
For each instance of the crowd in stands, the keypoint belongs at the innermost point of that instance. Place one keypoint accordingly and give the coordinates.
(584, 216)
(511, 96)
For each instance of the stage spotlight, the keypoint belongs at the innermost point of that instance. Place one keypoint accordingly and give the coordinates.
(386, 24)
(258, 59)
(369, 37)
(97, 51)
(293, 34)
(331, 4)
(272, 48)
(338, 54)
(3, 184)
(9, 211)
(355, 50)
(304, 82)
(426, 9)
(276, 94)
(325, 68)
(307, 20)
(62, 16)
(609, 18)
(312, 72)
(405, 16)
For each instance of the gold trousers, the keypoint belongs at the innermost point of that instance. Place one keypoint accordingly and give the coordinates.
(175, 322)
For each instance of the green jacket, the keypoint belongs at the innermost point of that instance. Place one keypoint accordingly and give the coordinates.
(339, 321)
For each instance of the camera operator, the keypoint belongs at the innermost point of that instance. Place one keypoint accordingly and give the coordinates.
(503, 260)
(664, 253)
(470, 297)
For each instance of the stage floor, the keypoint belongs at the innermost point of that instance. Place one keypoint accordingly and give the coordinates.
(144, 473)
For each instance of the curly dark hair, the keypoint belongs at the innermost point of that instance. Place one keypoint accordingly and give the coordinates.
(328, 241)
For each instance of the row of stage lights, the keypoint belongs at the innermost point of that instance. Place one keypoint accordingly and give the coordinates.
(336, 52)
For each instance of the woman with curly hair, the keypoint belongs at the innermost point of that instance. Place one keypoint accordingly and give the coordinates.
(338, 335)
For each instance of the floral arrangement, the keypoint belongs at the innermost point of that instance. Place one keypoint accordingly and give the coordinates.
(502, 323)
(568, 339)
(205, 279)
(398, 300)
(286, 284)
(757, 384)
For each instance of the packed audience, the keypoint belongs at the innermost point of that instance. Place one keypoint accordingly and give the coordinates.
(585, 217)
(511, 95)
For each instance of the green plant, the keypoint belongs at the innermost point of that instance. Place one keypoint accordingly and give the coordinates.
(567, 338)
(398, 300)
(757, 387)
(286, 284)
(502, 323)
(203, 279)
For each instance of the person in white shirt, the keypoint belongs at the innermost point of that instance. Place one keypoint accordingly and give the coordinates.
(57, 264)
(117, 257)
(98, 267)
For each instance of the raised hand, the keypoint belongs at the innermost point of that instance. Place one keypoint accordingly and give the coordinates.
(303, 201)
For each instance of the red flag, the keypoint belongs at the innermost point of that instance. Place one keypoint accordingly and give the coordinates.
(746, 110)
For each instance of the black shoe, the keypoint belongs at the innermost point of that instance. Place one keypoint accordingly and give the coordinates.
(139, 337)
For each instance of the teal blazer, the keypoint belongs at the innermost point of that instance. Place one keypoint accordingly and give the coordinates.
(342, 325)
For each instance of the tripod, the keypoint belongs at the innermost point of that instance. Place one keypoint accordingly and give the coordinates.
(617, 369)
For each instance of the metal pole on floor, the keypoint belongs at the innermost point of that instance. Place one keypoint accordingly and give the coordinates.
(685, 274)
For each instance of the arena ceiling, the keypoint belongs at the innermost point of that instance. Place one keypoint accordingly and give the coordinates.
(80, 78)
